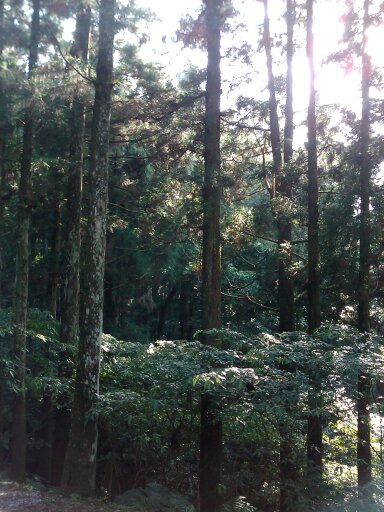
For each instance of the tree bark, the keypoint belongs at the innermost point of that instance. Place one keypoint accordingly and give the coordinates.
(315, 431)
(80, 464)
(280, 190)
(211, 424)
(3, 124)
(284, 189)
(289, 472)
(20, 305)
(364, 385)
(54, 264)
(72, 240)
(2, 184)
(45, 462)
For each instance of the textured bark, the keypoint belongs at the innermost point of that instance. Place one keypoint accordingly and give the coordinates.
(364, 386)
(284, 189)
(280, 187)
(273, 114)
(289, 472)
(18, 445)
(71, 259)
(3, 124)
(315, 433)
(2, 107)
(280, 190)
(80, 464)
(2, 186)
(211, 427)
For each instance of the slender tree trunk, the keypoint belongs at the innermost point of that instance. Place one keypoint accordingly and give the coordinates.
(280, 188)
(364, 385)
(3, 118)
(2, 107)
(211, 424)
(163, 311)
(71, 260)
(280, 191)
(184, 309)
(315, 431)
(2, 183)
(3, 126)
(289, 472)
(54, 270)
(47, 419)
(18, 446)
(80, 464)
(45, 435)
(284, 189)
(273, 114)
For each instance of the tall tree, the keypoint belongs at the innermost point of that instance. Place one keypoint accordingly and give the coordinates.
(20, 306)
(363, 388)
(281, 192)
(2, 111)
(284, 188)
(71, 256)
(315, 433)
(211, 424)
(80, 464)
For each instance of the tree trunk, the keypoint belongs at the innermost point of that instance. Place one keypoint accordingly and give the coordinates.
(280, 191)
(289, 472)
(80, 464)
(46, 431)
(184, 309)
(54, 264)
(163, 311)
(71, 259)
(315, 431)
(211, 425)
(280, 188)
(284, 189)
(45, 435)
(2, 183)
(364, 385)
(3, 127)
(273, 114)
(18, 445)
(44, 467)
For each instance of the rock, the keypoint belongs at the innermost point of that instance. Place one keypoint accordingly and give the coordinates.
(155, 497)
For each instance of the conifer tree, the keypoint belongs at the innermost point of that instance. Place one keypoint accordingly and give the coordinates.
(20, 305)
(364, 387)
(80, 464)
(211, 424)
(72, 239)
(315, 434)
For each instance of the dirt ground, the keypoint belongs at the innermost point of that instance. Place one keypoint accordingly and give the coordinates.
(27, 498)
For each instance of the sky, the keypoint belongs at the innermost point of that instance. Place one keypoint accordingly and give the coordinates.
(333, 84)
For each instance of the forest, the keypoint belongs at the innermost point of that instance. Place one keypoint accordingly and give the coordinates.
(192, 255)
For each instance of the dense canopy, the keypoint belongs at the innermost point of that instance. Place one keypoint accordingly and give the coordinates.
(192, 250)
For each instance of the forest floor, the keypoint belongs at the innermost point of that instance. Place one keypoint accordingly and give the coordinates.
(31, 498)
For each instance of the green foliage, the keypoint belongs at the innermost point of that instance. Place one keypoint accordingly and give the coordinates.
(150, 393)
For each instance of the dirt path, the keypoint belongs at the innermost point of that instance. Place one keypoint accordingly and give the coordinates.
(17, 498)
